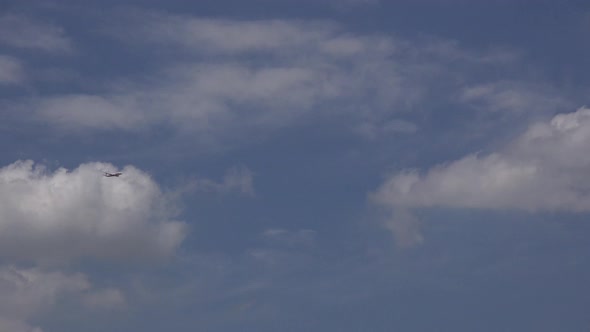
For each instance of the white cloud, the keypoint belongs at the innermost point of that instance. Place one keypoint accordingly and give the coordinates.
(23, 32)
(545, 169)
(222, 80)
(66, 215)
(11, 70)
(301, 68)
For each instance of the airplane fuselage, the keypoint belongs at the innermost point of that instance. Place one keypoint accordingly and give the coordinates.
(110, 175)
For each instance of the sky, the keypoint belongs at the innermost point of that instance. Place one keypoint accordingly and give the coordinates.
(329, 165)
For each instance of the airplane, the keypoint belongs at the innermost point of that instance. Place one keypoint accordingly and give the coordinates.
(109, 175)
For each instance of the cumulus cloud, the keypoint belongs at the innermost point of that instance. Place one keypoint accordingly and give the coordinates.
(65, 215)
(24, 32)
(544, 169)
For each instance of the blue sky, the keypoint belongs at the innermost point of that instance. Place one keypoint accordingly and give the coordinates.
(357, 165)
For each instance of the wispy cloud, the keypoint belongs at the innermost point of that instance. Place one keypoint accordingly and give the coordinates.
(376, 130)
(11, 70)
(105, 299)
(514, 97)
(204, 35)
(26, 292)
(114, 111)
(237, 179)
(225, 79)
(302, 67)
(25, 32)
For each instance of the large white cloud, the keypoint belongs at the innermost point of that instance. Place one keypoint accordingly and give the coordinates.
(544, 169)
(64, 215)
